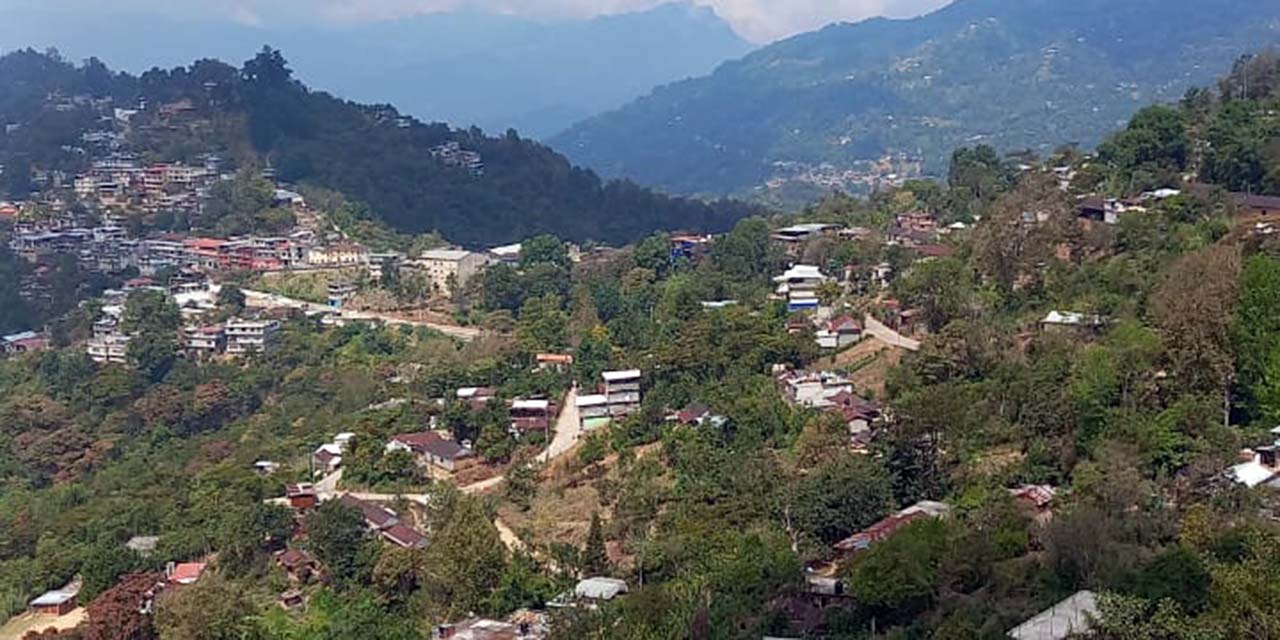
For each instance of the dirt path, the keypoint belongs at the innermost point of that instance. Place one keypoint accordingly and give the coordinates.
(890, 337)
(264, 299)
(509, 537)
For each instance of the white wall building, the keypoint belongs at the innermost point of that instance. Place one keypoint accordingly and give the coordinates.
(251, 336)
(450, 268)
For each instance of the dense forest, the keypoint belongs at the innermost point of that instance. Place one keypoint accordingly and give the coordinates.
(1134, 419)
(260, 115)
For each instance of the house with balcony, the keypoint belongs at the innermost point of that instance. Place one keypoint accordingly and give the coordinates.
(340, 293)
(108, 349)
(593, 411)
(202, 343)
(342, 254)
(251, 336)
(622, 390)
(529, 415)
(799, 286)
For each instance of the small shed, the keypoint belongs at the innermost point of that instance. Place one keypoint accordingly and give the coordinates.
(55, 603)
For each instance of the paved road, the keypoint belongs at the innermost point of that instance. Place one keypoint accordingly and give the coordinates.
(329, 483)
(888, 336)
(264, 299)
(568, 429)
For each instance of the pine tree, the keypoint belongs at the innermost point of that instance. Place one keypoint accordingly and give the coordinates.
(595, 558)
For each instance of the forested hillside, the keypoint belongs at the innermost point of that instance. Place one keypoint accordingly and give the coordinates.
(260, 115)
(853, 105)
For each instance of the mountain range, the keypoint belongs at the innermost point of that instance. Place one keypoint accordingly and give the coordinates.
(852, 106)
(465, 67)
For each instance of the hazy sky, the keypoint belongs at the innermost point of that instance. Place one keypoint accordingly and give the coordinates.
(757, 20)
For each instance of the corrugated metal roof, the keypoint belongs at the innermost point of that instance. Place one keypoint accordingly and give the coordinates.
(1063, 620)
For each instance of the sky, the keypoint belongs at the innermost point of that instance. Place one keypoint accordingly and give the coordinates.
(757, 20)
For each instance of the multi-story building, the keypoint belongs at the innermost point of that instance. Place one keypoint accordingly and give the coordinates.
(799, 285)
(251, 336)
(622, 389)
(163, 253)
(113, 349)
(450, 269)
(593, 411)
(340, 293)
(343, 254)
(531, 415)
(205, 342)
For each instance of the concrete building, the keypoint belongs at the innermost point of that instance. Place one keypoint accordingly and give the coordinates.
(450, 269)
(343, 254)
(593, 411)
(251, 336)
(340, 293)
(204, 342)
(108, 349)
(622, 389)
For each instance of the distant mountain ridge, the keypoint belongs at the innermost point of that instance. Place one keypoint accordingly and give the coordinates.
(852, 104)
(466, 67)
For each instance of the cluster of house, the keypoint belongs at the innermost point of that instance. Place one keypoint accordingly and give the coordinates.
(529, 414)
(832, 392)
(194, 297)
(589, 593)
(108, 248)
(833, 333)
(917, 230)
(384, 522)
(121, 182)
(1097, 208)
(453, 155)
(60, 602)
(859, 176)
(617, 396)
(235, 337)
(800, 284)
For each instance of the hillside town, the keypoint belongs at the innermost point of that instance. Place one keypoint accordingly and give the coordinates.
(1033, 400)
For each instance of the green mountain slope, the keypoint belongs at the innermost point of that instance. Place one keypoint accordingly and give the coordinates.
(261, 115)
(893, 97)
